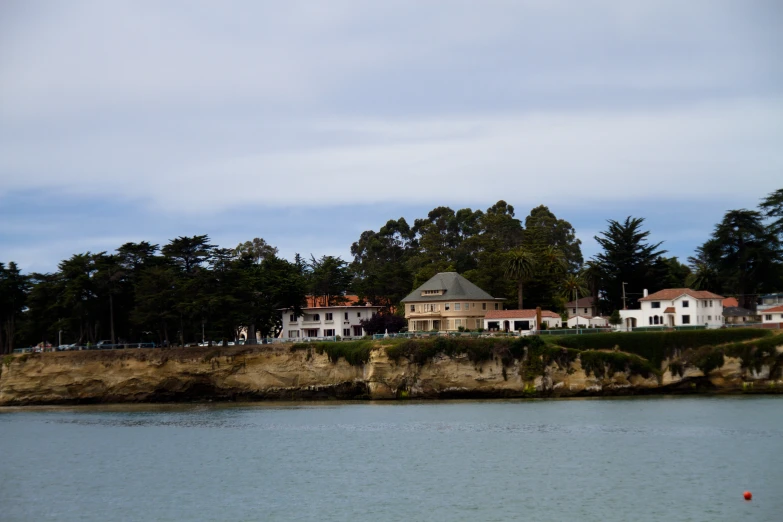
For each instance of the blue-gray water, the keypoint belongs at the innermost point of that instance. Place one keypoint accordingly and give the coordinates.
(609, 460)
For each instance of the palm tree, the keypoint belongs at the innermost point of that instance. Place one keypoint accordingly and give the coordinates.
(592, 275)
(554, 260)
(520, 265)
(574, 285)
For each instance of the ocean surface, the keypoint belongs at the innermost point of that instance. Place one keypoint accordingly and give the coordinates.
(639, 459)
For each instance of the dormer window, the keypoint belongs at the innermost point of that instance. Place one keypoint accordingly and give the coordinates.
(432, 292)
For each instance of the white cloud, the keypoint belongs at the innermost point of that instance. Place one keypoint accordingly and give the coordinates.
(547, 156)
(193, 108)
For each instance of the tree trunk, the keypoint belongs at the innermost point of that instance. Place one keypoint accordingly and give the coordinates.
(519, 294)
(111, 317)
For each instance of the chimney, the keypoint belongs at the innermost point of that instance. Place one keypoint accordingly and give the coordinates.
(644, 292)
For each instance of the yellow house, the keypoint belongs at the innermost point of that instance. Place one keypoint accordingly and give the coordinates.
(447, 302)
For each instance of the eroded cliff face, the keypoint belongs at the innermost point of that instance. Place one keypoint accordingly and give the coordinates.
(279, 373)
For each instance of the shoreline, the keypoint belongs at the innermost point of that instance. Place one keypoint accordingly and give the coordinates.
(380, 371)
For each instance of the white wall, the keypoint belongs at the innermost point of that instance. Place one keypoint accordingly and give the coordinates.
(338, 322)
(701, 312)
(551, 322)
(775, 317)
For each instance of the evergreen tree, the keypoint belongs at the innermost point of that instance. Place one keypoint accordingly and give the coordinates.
(743, 255)
(627, 258)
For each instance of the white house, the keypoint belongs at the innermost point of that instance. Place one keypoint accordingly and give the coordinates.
(772, 315)
(326, 321)
(584, 306)
(586, 322)
(676, 307)
(519, 320)
(767, 301)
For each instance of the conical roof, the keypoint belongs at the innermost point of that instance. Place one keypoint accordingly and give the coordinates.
(454, 287)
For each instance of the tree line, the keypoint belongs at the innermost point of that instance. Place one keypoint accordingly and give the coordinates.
(190, 289)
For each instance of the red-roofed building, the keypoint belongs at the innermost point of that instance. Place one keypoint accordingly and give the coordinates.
(772, 315)
(341, 317)
(583, 307)
(519, 320)
(676, 307)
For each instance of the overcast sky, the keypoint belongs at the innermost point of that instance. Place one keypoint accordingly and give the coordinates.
(306, 123)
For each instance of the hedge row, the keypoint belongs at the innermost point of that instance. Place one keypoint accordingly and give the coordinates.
(421, 351)
(657, 346)
(356, 353)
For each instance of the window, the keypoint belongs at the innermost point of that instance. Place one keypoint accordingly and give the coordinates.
(709, 318)
(686, 319)
(710, 304)
(329, 317)
(574, 309)
(293, 333)
(497, 306)
(685, 304)
(457, 323)
(358, 314)
(429, 307)
(585, 310)
(651, 320)
(656, 304)
(346, 332)
(329, 333)
(292, 318)
(521, 325)
(456, 306)
(447, 306)
(768, 317)
(413, 309)
(346, 313)
(316, 317)
(483, 306)
(467, 306)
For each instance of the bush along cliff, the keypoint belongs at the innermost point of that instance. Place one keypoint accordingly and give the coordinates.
(717, 361)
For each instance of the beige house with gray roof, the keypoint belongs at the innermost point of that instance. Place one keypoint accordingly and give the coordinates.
(447, 302)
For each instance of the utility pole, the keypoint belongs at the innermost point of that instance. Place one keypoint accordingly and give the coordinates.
(624, 306)
(576, 307)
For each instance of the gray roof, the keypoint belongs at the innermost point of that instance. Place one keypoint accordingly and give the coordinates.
(737, 311)
(456, 288)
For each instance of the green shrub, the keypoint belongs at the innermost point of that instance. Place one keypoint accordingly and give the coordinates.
(421, 351)
(757, 353)
(356, 353)
(705, 358)
(599, 362)
(676, 368)
(657, 346)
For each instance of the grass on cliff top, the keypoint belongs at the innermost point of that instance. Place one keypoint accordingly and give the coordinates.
(421, 351)
(356, 353)
(540, 355)
(657, 346)
(752, 354)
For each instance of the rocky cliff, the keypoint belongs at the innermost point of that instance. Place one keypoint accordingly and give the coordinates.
(279, 372)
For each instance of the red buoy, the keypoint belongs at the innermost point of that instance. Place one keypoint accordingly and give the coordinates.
(748, 495)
